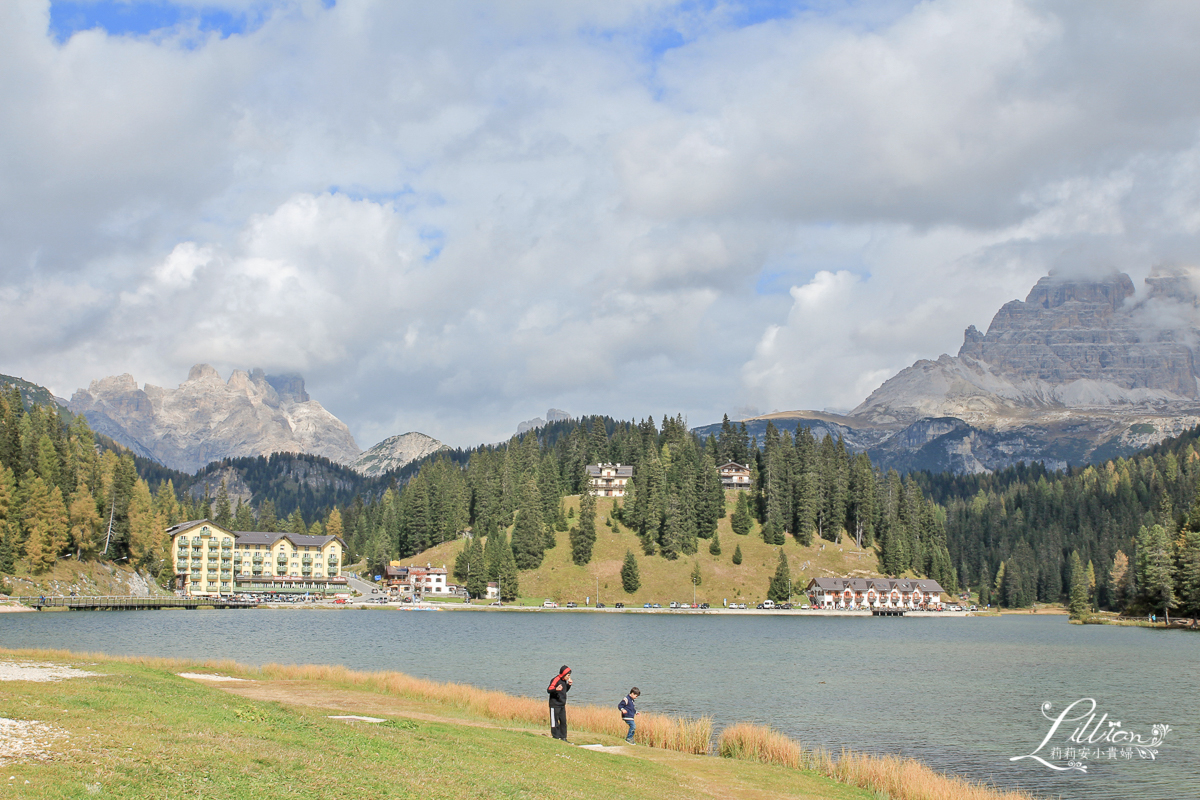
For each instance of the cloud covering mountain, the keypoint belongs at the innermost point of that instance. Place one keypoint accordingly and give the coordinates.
(447, 215)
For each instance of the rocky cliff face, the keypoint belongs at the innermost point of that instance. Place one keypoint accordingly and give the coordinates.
(394, 452)
(1080, 371)
(206, 418)
(1072, 344)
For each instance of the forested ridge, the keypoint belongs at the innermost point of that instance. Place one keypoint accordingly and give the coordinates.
(1127, 531)
(62, 497)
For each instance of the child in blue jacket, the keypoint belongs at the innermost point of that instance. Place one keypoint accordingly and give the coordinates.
(629, 711)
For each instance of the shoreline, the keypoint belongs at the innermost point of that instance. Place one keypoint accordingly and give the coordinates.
(302, 700)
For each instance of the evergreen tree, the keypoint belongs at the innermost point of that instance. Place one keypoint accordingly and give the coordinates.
(506, 575)
(737, 554)
(779, 589)
(267, 521)
(296, 523)
(477, 574)
(696, 577)
(714, 545)
(583, 538)
(1079, 606)
(741, 520)
(243, 517)
(528, 544)
(1154, 581)
(630, 580)
(223, 513)
(1118, 580)
(1187, 578)
(985, 586)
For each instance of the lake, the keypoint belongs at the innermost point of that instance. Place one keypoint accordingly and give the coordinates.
(961, 694)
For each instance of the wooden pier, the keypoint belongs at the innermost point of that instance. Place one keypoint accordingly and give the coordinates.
(134, 603)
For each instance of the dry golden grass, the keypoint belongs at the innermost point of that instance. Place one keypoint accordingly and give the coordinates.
(654, 730)
(890, 776)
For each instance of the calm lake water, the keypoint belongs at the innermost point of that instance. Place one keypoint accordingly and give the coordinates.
(963, 695)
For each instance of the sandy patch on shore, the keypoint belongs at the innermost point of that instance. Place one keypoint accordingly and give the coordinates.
(39, 673)
(26, 740)
(199, 676)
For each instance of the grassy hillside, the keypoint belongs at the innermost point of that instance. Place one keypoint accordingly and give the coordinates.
(663, 580)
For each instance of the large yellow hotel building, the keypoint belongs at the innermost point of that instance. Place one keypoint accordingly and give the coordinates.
(211, 561)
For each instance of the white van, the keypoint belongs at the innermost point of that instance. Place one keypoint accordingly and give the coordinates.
(768, 603)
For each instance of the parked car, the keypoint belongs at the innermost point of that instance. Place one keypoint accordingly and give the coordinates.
(786, 606)
(496, 603)
(619, 605)
(374, 591)
(768, 604)
(974, 608)
(704, 605)
(549, 604)
(674, 604)
(599, 605)
(572, 605)
(645, 605)
(655, 605)
(804, 607)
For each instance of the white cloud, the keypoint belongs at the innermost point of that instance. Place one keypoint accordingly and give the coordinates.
(452, 216)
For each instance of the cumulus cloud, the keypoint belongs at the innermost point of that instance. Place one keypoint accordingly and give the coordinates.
(450, 216)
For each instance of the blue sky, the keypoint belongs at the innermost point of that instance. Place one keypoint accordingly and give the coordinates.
(136, 18)
(452, 216)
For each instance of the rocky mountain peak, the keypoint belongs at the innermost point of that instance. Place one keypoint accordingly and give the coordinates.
(1054, 291)
(207, 419)
(395, 452)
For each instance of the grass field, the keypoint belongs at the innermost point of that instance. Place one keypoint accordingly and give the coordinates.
(138, 730)
(662, 580)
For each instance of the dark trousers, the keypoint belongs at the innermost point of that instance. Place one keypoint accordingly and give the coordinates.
(558, 722)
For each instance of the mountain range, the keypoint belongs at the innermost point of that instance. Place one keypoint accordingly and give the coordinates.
(207, 419)
(1082, 370)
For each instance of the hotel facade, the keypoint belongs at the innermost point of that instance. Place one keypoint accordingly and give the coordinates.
(211, 561)
(874, 593)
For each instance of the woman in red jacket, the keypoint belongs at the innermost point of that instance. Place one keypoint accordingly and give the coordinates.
(558, 702)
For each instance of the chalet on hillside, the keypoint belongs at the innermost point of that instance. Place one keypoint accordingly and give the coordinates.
(608, 480)
(735, 475)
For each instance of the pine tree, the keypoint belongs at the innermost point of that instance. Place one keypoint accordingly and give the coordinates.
(1079, 606)
(696, 577)
(583, 537)
(741, 521)
(1155, 585)
(737, 554)
(506, 573)
(477, 576)
(243, 517)
(714, 545)
(1188, 576)
(528, 546)
(630, 580)
(779, 589)
(267, 521)
(223, 513)
(1118, 580)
